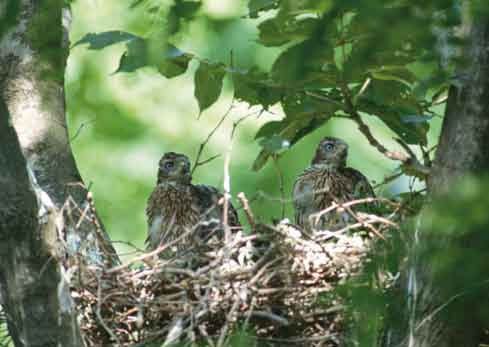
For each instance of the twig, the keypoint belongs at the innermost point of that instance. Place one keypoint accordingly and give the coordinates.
(271, 316)
(362, 89)
(340, 105)
(246, 208)
(426, 156)
(388, 179)
(364, 224)
(197, 161)
(227, 177)
(410, 160)
(335, 205)
(204, 333)
(156, 251)
(99, 315)
(298, 340)
(80, 128)
(229, 319)
(351, 110)
(227, 194)
(281, 184)
(208, 160)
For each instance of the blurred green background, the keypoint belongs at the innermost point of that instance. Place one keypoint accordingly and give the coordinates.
(121, 124)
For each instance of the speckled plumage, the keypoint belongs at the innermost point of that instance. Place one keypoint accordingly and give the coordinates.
(327, 180)
(176, 206)
(172, 210)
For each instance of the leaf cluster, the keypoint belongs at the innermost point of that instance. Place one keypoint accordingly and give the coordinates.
(339, 59)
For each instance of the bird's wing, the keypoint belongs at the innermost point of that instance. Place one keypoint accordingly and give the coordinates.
(154, 217)
(360, 184)
(303, 190)
(361, 188)
(304, 195)
(152, 206)
(298, 199)
(208, 199)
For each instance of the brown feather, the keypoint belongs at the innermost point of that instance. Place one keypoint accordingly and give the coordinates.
(326, 181)
(177, 206)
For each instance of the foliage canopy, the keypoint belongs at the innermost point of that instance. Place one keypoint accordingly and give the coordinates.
(385, 59)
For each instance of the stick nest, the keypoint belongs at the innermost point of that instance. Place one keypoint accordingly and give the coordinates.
(277, 284)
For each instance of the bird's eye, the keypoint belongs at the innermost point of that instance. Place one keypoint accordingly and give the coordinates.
(329, 147)
(169, 165)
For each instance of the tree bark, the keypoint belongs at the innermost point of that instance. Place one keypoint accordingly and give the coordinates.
(462, 151)
(464, 139)
(47, 224)
(33, 54)
(34, 293)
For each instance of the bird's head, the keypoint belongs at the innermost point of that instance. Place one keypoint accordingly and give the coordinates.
(331, 151)
(174, 167)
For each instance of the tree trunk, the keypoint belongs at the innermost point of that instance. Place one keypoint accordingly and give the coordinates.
(33, 54)
(35, 295)
(464, 140)
(462, 150)
(47, 223)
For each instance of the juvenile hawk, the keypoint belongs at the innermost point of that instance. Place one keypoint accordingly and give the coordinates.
(327, 179)
(176, 206)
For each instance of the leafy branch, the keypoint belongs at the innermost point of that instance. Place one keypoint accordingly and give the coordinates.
(336, 63)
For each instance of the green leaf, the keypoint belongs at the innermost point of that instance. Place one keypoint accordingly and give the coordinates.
(135, 57)
(436, 82)
(170, 61)
(181, 10)
(307, 64)
(269, 129)
(256, 6)
(274, 144)
(261, 160)
(300, 105)
(251, 86)
(104, 39)
(391, 102)
(174, 63)
(304, 114)
(306, 126)
(316, 7)
(208, 84)
(416, 118)
(412, 133)
(187, 9)
(289, 132)
(271, 32)
(290, 65)
(280, 30)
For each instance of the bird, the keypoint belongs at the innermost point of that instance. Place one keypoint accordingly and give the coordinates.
(325, 181)
(177, 207)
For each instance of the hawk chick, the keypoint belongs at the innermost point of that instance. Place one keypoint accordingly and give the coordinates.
(326, 180)
(176, 206)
